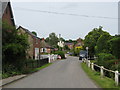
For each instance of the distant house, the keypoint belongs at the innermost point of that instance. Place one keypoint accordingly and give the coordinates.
(79, 43)
(70, 45)
(45, 47)
(7, 14)
(34, 43)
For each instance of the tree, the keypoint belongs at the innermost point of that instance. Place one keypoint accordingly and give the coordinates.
(115, 46)
(14, 47)
(66, 47)
(102, 45)
(92, 38)
(52, 39)
(34, 33)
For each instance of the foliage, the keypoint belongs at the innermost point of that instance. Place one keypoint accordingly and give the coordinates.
(61, 53)
(52, 40)
(66, 47)
(92, 38)
(106, 60)
(14, 48)
(115, 46)
(77, 50)
(102, 45)
(34, 33)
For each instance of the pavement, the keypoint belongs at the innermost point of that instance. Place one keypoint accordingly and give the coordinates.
(61, 74)
(11, 79)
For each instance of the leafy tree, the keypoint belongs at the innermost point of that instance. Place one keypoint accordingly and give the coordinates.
(34, 33)
(92, 38)
(52, 39)
(14, 47)
(77, 50)
(66, 47)
(102, 45)
(115, 46)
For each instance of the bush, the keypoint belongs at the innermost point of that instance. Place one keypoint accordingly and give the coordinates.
(61, 53)
(108, 61)
(103, 58)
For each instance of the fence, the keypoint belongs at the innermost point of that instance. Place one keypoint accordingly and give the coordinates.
(37, 63)
(52, 58)
(102, 70)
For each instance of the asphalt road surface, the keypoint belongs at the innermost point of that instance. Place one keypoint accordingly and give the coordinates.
(61, 74)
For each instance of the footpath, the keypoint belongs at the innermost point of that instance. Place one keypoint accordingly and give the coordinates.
(11, 79)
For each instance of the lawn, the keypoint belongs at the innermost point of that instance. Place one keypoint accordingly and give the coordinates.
(101, 82)
(39, 68)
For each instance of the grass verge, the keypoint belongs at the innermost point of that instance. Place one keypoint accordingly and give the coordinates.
(101, 82)
(39, 68)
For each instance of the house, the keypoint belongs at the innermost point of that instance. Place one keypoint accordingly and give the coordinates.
(79, 43)
(45, 47)
(70, 45)
(7, 14)
(34, 43)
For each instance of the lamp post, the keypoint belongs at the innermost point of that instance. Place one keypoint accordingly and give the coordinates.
(87, 52)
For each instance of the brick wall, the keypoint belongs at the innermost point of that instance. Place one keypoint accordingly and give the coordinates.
(7, 16)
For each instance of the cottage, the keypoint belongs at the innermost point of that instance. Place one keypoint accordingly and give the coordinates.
(7, 14)
(70, 45)
(34, 43)
(45, 47)
(79, 43)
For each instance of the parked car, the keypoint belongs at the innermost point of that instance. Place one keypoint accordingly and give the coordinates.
(83, 54)
(70, 53)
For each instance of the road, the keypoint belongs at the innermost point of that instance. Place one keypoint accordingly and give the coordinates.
(61, 74)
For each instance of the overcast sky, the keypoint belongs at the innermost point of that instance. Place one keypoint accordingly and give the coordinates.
(41, 17)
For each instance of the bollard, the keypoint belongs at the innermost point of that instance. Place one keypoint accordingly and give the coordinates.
(88, 63)
(92, 66)
(101, 71)
(116, 78)
(49, 59)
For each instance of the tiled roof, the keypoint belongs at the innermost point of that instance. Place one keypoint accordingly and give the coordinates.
(68, 43)
(27, 31)
(4, 5)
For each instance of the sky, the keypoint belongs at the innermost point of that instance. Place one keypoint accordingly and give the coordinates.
(72, 20)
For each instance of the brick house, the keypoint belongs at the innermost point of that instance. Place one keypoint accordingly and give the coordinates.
(79, 43)
(34, 43)
(7, 14)
(70, 45)
(45, 47)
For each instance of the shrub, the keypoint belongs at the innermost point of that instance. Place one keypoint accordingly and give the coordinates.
(106, 60)
(61, 53)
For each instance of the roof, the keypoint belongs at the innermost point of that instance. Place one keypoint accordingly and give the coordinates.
(45, 45)
(4, 5)
(27, 31)
(68, 43)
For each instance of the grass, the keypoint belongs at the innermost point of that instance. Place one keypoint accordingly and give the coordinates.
(39, 68)
(92, 61)
(101, 82)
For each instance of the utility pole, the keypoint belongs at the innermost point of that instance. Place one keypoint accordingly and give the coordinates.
(59, 40)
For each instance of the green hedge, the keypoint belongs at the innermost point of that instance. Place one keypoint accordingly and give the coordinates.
(61, 53)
